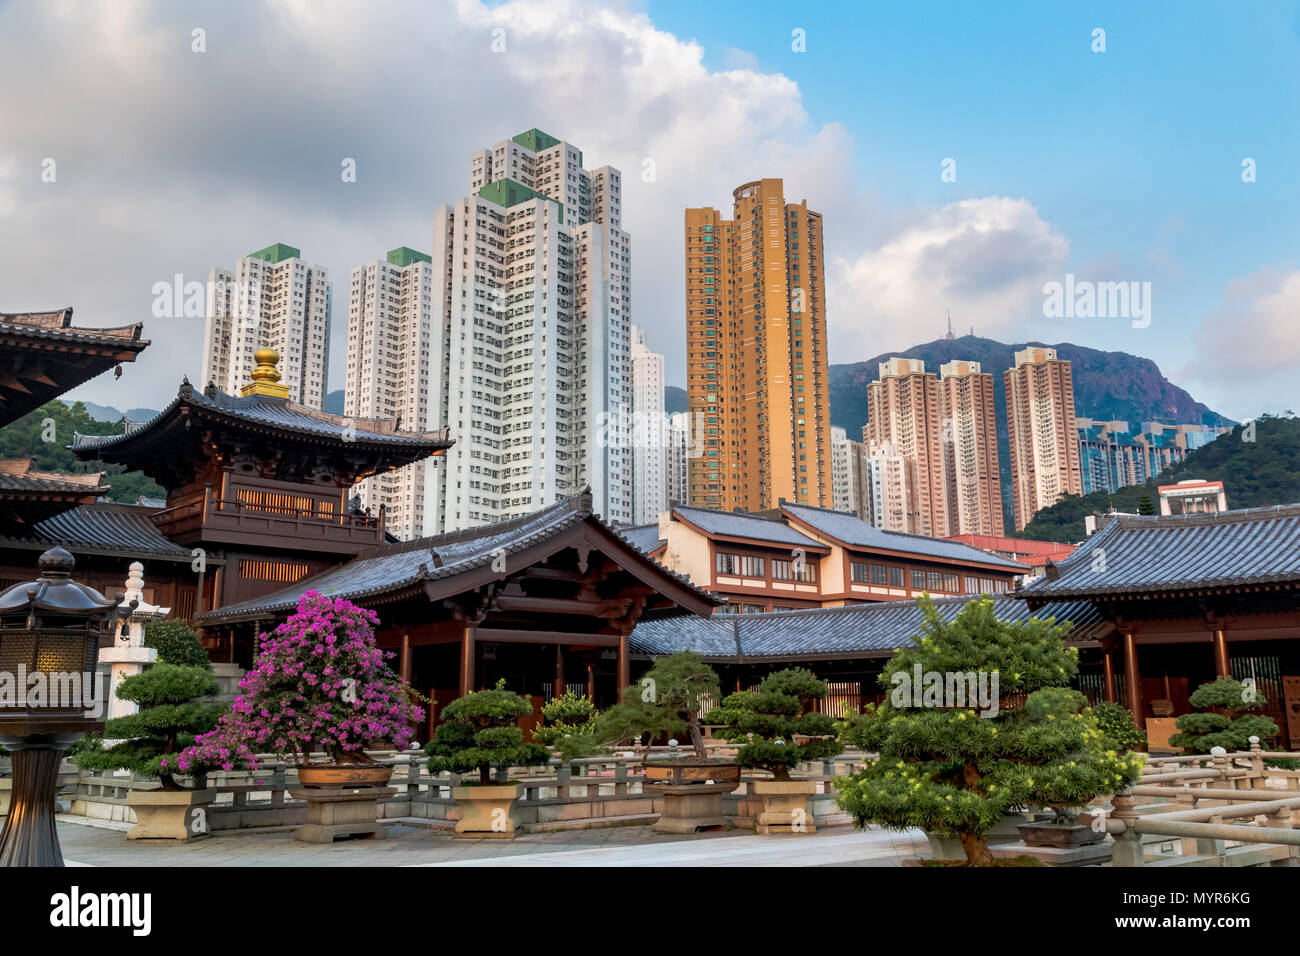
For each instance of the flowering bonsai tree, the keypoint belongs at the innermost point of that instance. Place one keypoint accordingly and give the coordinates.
(480, 732)
(945, 768)
(666, 701)
(778, 723)
(169, 717)
(319, 683)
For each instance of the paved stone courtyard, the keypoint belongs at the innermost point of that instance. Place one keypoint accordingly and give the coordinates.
(106, 845)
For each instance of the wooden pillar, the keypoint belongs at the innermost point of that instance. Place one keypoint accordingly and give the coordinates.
(1133, 678)
(404, 661)
(624, 666)
(1222, 667)
(1108, 675)
(467, 677)
(591, 683)
(560, 685)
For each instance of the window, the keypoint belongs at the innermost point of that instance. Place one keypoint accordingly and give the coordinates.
(918, 580)
(860, 571)
(751, 567)
(879, 574)
(788, 571)
(727, 563)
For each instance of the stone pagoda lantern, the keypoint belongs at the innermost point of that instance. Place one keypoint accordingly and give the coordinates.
(127, 655)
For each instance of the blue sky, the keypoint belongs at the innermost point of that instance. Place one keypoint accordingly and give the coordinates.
(1122, 166)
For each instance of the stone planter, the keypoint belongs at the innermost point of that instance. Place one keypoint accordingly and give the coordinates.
(785, 806)
(945, 847)
(691, 792)
(342, 802)
(485, 811)
(173, 815)
(1060, 836)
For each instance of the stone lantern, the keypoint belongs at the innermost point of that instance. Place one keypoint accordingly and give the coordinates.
(50, 632)
(127, 655)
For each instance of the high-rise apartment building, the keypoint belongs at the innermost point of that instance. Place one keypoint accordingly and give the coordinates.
(905, 415)
(649, 432)
(890, 479)
(849, 479)
(271, 299)
(756, 352)
(1041, 432)
(390, 331)
(970, 445)
(679, 445)
(531, 346)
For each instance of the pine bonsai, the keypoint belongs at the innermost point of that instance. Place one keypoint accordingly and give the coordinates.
(568, 725)
(480, 732)
(778, 723)
(1225, 718)
(319, 683)
(170, 715)
(944, 768)
(665, 702)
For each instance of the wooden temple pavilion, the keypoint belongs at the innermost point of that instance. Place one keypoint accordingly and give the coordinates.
(1191, 597)
(257, 487)
(546, 601)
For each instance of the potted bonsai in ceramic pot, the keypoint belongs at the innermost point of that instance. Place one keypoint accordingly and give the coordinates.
(953, 768)
(479, 733)
(148, 742)
(667, 702)
(319, 684)
(780, 730)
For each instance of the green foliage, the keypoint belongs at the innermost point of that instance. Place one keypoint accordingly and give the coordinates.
(776, 722)
(169, 719)
(176, 643)
(569, 725)
(665, 702)
(1224, 718)
(25, 438)
(1256, 474)
(480, 732)
(1146, 506)
(948, 770)
(1116, 724)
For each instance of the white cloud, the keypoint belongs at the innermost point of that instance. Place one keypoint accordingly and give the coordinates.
(985, 259)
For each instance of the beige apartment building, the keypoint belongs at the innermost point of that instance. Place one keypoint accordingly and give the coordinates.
(756, 352)
(970, 444)
(1041, 432)
(905, 418)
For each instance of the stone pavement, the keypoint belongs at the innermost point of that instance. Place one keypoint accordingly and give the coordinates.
(106, 845)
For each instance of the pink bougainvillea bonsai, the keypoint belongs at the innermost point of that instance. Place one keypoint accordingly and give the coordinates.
(319, 683)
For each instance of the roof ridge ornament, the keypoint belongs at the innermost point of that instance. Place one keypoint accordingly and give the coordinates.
(266, 378)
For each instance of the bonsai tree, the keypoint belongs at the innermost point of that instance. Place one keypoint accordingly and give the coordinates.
(480, 732)
(319, 683)
(170, 716)
(1116, 724)
(569, 725)
(666, 702)
(1224, 717)
(777, 721)
(944, 768)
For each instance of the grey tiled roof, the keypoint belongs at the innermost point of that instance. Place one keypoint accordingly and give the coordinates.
(644, 537)
(859, 534)
(1132, 555)
(390, 569)
(861, 630)
(276, 413)
(37, 484)
(57, 325)
(105, 528)
(739, 525)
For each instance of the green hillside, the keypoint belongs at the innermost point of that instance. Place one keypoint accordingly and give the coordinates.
(27, 437)
(1255, 474)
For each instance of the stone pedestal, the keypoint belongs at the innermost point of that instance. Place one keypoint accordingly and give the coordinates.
(690, 807)
(485, 811)
(1088, 854)
(785, 806)
(176, 816)
(341, 813)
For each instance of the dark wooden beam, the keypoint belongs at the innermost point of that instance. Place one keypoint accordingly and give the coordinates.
(515, 636)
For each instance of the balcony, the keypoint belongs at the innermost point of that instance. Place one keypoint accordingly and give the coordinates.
(317, 527)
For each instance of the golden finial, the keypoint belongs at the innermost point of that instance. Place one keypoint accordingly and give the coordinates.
(265, 378)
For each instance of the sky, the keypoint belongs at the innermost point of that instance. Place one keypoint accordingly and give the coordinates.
(964, 156)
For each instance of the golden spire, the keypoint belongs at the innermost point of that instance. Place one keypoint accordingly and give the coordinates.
(266, 380)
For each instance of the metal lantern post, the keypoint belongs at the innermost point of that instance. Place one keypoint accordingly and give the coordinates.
(50, 631)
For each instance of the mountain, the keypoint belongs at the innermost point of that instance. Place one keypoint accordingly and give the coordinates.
(1108, 386)
(107, 413)
(334, 402)
(1257, 469)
